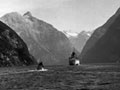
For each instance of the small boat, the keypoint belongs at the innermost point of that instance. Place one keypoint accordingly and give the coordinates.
(73, 59)
(40, 67)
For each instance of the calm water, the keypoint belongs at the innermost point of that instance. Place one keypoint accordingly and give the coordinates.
(84, 77)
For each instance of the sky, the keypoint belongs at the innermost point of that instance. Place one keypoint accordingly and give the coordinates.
(69, 15)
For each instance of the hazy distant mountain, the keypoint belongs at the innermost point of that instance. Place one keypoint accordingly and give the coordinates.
(78, 40)
(13, 51)
(104, 44)
(45, 42)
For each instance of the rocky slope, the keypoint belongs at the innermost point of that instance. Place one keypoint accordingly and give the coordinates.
(45, 43)
(104, 44)
(13, 51)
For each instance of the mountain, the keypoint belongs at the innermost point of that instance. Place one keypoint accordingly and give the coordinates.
(13, 50)
(44, 42)
(78, 40)
(104, 45)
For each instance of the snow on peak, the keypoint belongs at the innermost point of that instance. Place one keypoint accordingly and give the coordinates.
(70, 34)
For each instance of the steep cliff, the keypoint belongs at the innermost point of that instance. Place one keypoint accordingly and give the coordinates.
(13, 50)
(104, 44)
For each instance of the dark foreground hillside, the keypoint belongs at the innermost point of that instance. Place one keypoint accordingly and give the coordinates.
(13, 50)
(84, 77)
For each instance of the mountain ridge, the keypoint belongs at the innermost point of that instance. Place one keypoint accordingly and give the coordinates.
(44, 41)
(78, 40)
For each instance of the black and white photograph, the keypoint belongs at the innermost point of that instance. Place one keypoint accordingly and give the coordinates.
(59, 44)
